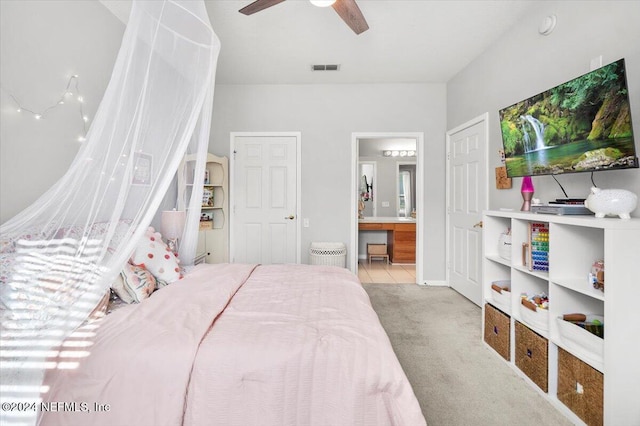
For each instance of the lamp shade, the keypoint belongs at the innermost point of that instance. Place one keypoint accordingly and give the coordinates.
(172, 224)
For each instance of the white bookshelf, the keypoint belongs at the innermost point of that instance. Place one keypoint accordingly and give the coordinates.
(213, 235)
(575, 242)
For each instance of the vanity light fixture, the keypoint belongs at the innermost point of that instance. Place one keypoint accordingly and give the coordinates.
(403, 153)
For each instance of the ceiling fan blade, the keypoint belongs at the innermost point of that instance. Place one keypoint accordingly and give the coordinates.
(258, 5)
(351, 14)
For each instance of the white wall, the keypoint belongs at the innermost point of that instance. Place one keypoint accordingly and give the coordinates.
(43, 43)
(327, 115)
(523, 63)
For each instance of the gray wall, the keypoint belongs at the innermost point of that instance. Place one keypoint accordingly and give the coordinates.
(43, 43)
(523, 63)
(327, 115)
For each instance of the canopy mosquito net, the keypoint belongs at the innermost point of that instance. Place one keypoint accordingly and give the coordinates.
(60, 255)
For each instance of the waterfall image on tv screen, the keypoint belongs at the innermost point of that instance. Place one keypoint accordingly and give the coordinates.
(582, 125)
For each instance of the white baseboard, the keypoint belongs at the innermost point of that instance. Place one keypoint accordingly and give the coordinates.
(435, 283)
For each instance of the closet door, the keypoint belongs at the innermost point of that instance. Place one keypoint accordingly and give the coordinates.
(265, 205)
(467, 200)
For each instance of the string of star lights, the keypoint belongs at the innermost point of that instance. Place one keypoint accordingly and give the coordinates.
(72, 89)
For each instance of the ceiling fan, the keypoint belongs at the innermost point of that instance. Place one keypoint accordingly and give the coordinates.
(347, 9)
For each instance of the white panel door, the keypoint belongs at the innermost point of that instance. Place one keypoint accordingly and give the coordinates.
(264, 199)
(467, 200)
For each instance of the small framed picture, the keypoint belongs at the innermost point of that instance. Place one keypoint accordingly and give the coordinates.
(142, 164)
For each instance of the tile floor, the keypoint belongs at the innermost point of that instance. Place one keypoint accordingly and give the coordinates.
(378, 272)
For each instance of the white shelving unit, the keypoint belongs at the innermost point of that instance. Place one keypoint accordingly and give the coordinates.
(214, 235)
(575, 242)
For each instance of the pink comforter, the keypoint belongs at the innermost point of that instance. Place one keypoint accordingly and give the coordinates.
(237, 345)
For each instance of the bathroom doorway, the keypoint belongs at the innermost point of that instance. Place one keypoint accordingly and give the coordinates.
(386, 214)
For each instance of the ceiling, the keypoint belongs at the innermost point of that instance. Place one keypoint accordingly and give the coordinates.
(409, 41)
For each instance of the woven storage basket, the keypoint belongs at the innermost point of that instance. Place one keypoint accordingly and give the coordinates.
(331, 254)
(532, 355)
(580, 387)
(497, 330)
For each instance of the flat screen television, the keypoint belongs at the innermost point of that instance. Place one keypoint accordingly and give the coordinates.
(582, 125)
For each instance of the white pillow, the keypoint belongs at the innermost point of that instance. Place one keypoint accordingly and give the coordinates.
(134, 284)
(155, 256)
(119, 289)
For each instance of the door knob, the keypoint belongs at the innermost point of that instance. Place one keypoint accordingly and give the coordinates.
(290, 217)
(478, 225)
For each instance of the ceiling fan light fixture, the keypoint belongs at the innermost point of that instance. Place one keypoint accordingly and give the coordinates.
(348, 11)
(322, 3)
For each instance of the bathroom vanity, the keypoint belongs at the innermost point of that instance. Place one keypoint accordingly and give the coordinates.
(400, 233)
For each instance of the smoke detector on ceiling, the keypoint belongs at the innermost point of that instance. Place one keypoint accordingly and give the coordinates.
(325, 67)
(547, 25)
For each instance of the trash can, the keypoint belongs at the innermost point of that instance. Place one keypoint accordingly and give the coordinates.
(331, 254)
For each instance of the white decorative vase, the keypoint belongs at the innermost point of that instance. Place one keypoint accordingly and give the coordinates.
(613, 202)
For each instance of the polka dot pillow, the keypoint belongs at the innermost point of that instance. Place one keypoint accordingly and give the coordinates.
(155, 256)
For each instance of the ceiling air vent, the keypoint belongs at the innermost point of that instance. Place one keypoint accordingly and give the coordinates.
(325, 67)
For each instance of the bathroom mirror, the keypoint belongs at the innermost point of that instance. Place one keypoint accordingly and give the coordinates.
(406, 189)
(367, 189)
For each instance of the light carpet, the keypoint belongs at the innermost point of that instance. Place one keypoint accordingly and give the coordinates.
(436, 334)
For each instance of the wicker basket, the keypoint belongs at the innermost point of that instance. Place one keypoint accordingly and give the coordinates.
(580, 387)
(330, 254)
(497, 330)
(532, 355)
